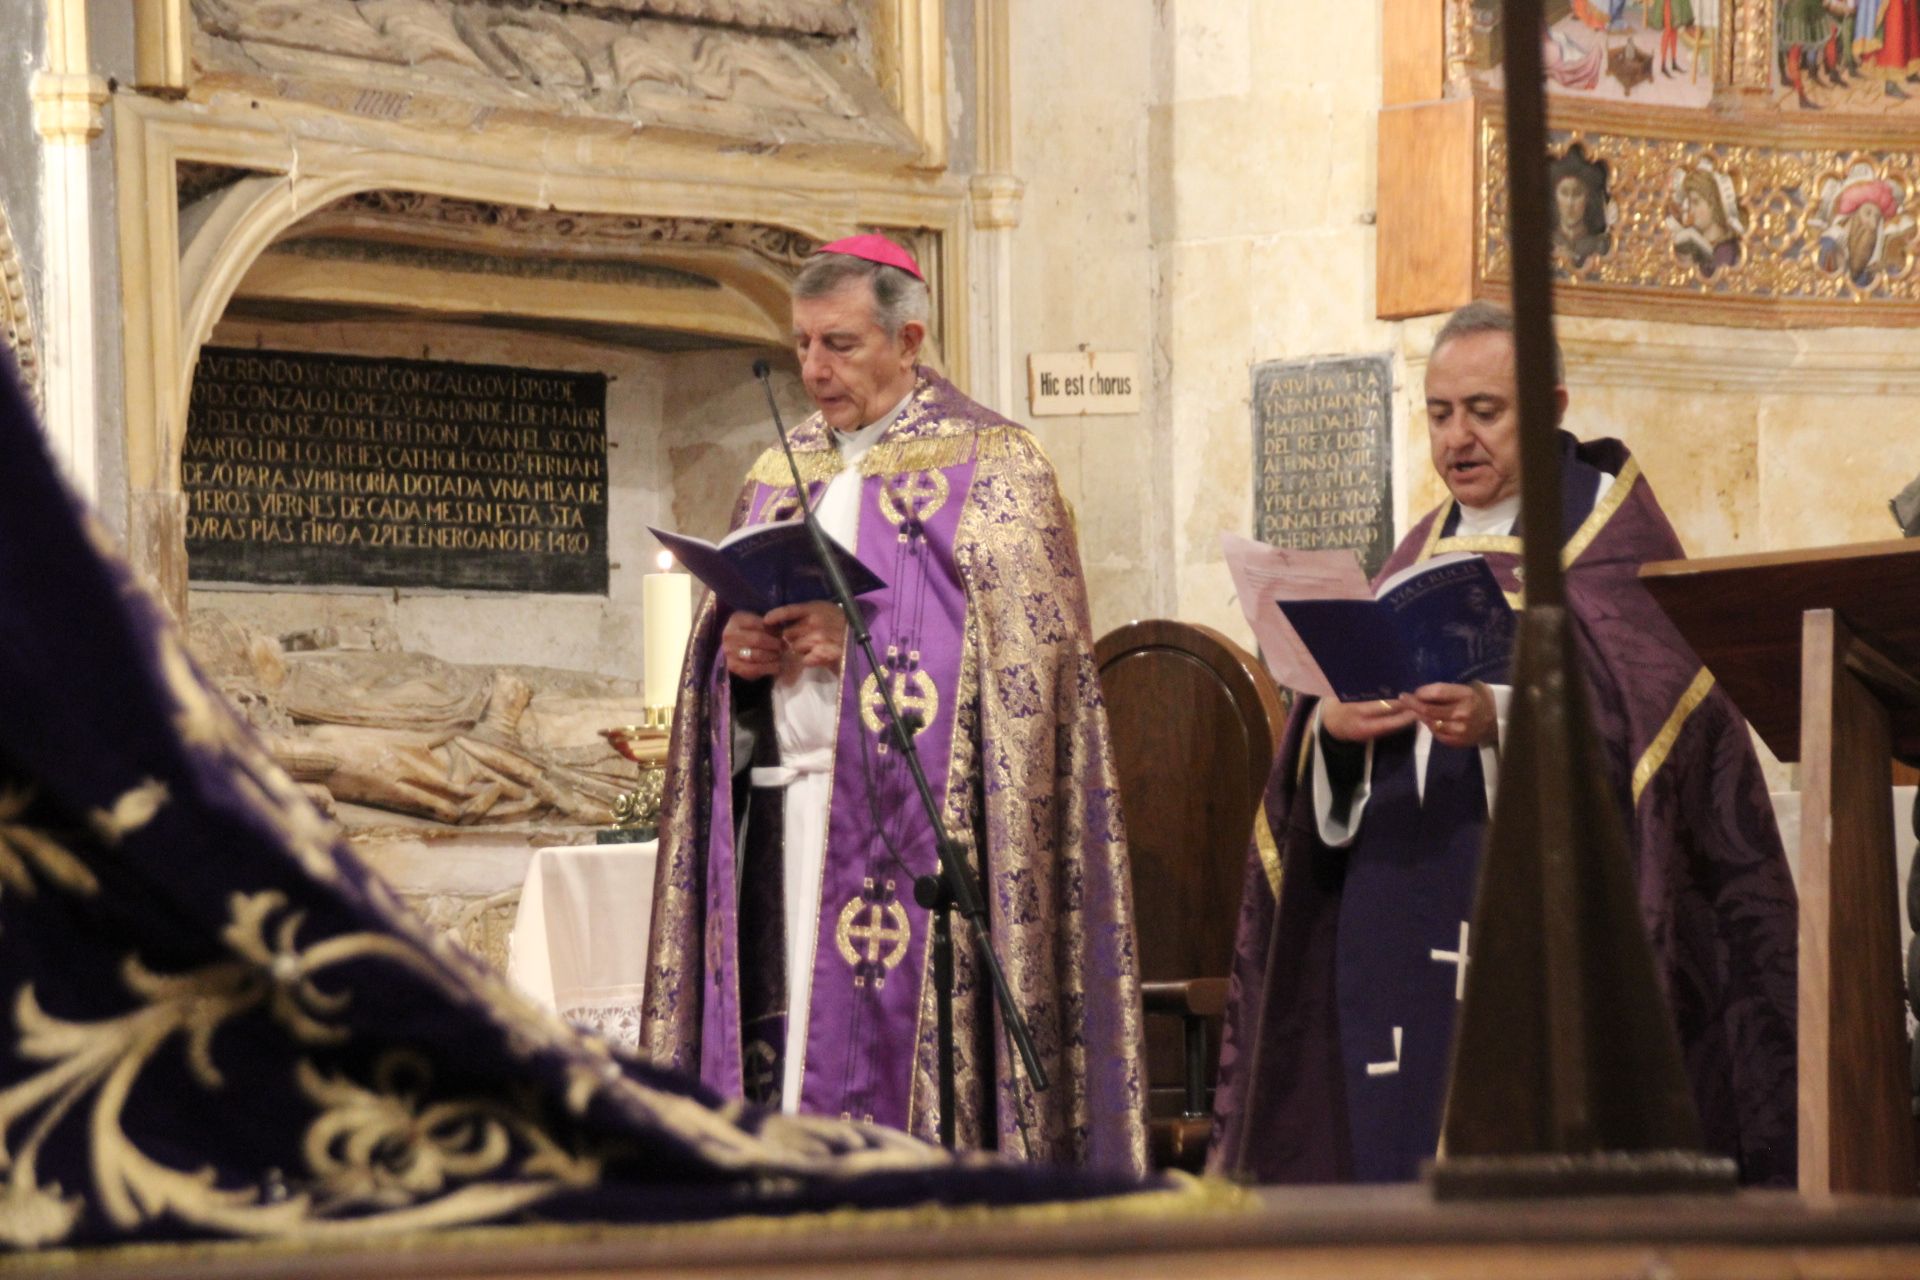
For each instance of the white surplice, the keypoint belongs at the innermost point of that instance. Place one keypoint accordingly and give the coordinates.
(805, 722)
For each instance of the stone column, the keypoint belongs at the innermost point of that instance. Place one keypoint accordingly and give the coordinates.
(68, 98)
(996, 212)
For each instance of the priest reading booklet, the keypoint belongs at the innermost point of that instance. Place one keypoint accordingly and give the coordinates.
(1355, 928)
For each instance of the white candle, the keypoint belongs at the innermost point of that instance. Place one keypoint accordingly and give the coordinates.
(666, 601)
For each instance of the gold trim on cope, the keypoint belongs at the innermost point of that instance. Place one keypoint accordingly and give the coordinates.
(1269, 851)
(1602, 512)
(1481, 544)
(1662, 745)
(899, 457)
(1440, 519)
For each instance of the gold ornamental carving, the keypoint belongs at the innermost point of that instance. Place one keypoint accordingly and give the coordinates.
(1748, 227)
(1739, 161)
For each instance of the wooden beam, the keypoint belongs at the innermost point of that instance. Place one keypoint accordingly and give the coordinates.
(1423, 250)
(1856, 1127)
(1413, 47)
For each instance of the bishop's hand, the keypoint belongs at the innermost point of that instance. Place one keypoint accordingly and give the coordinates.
(1365, 721)
(815, 633)
(753, 648)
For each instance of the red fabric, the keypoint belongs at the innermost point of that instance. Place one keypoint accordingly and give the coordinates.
(1901, 35)
(875, 249)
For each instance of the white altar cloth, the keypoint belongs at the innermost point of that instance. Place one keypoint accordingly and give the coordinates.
(579, 942)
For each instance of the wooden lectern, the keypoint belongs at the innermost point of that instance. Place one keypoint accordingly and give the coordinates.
(1820, 650)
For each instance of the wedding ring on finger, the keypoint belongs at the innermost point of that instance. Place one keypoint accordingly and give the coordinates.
(1384, 704)
(746, 653)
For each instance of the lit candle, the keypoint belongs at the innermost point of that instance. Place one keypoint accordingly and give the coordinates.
(666, 601)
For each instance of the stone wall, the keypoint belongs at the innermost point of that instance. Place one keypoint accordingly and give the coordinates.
(1263, 243)
(1083, 269)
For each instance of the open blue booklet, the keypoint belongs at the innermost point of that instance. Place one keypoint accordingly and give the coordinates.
(759, 567)
(1444, 620)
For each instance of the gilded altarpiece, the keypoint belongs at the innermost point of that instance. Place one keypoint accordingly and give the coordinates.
(1734, 162)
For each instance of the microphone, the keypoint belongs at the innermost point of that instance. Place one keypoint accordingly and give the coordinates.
(842, 594)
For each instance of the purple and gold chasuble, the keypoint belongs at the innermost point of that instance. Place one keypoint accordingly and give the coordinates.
(984, 636)
(215, 1021)
(1349, 962)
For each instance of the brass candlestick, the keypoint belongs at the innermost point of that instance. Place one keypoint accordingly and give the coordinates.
(636, 815)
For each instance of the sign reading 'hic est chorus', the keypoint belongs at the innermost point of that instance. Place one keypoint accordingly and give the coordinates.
(312, 469)
(1322, 453)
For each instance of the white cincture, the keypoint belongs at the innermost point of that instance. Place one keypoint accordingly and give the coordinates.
(790, 771)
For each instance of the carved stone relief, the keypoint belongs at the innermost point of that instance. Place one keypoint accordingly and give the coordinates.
(195, 180)
(796, 17)
(482, 924)
(372, 731)
(464, 262)
(770, 70)
(16, 320)
(402, 214)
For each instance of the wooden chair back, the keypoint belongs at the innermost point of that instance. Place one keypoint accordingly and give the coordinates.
(1195, 721)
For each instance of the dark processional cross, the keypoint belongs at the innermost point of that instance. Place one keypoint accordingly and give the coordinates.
(1567, 1075)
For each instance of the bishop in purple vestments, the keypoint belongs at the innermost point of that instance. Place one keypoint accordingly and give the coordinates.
(790, 960)
(1353, 938)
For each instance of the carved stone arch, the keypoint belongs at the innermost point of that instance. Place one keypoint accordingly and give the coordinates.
(224, 240)
(216, 249)
(16, 318)
(204, 197)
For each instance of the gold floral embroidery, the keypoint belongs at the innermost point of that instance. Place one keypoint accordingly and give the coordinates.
(130, 812)
(392, 1144)
(103, 1059)
(24, 850)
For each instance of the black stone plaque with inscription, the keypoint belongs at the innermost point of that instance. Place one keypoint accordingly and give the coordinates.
(309, 470)
(1323, 455)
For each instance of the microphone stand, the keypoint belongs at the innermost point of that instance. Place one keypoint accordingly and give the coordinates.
(954, 887)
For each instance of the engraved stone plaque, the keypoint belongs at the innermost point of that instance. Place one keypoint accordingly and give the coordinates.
(310, 470)
(1323, 455)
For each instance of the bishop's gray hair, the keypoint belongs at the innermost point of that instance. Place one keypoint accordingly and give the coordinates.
(1490, 317)
(899, 298)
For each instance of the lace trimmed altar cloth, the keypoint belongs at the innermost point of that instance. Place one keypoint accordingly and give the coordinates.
(579, 943)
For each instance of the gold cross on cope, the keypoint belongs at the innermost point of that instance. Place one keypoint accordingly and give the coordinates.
(916, 496)
(881, 931)
(914, 693)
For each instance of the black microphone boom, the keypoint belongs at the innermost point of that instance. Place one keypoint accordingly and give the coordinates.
(954, 888)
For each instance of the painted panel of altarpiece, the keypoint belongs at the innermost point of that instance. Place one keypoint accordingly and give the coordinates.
(1750, 163)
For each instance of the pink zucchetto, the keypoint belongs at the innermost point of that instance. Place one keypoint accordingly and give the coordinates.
(876, 249)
